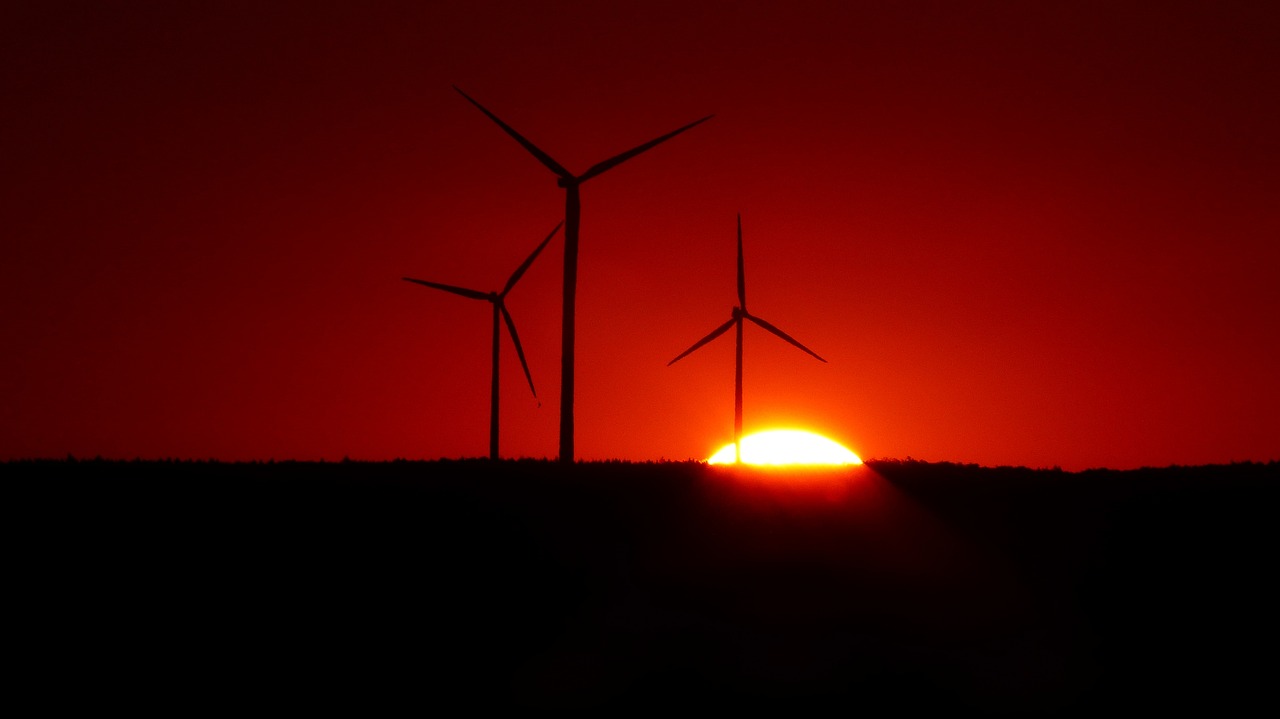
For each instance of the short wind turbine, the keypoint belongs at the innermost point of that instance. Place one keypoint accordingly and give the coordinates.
(498, 300)
(572, 205)
(739, 314)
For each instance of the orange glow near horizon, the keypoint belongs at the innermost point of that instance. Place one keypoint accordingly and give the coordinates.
(781, 447)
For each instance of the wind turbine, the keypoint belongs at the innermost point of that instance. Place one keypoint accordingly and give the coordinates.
(572, 210)
(739, 314)
(498, 300)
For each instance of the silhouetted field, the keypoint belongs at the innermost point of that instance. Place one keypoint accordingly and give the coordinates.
(903, 585)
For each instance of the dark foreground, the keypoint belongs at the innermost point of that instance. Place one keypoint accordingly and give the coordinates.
(641, 586)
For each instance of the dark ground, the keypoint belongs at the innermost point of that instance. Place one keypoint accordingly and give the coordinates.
(641, 586)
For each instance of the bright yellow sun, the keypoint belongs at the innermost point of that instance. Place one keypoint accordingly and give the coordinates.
(787, 446)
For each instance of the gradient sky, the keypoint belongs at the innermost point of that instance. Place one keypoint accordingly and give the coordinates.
(1040, 234)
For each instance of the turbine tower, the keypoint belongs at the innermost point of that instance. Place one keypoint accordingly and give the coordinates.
(739, 314)
(572, 210)
(498, 300)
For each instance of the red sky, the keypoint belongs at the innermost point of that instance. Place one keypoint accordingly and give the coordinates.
(1038, 234)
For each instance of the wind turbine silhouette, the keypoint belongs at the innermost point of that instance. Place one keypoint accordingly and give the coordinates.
(498, 300)
(740, 313)
(572, 210)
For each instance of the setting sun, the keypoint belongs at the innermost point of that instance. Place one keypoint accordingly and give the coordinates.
(787, 446)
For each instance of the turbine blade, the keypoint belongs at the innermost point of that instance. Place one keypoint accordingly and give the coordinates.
(515, 338)
(782, 334)
(543, 157)
(473, 294)
(618, 159)
(714, 334)
(515, 276)
(742, 272)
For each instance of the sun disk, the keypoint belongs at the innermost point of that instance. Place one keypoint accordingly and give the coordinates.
(787, 447)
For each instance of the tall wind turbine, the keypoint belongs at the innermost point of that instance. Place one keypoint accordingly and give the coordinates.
(572, 210)
(739, 314)
(498, 300)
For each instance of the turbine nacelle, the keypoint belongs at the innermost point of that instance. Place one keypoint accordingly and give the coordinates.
(740, 313)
